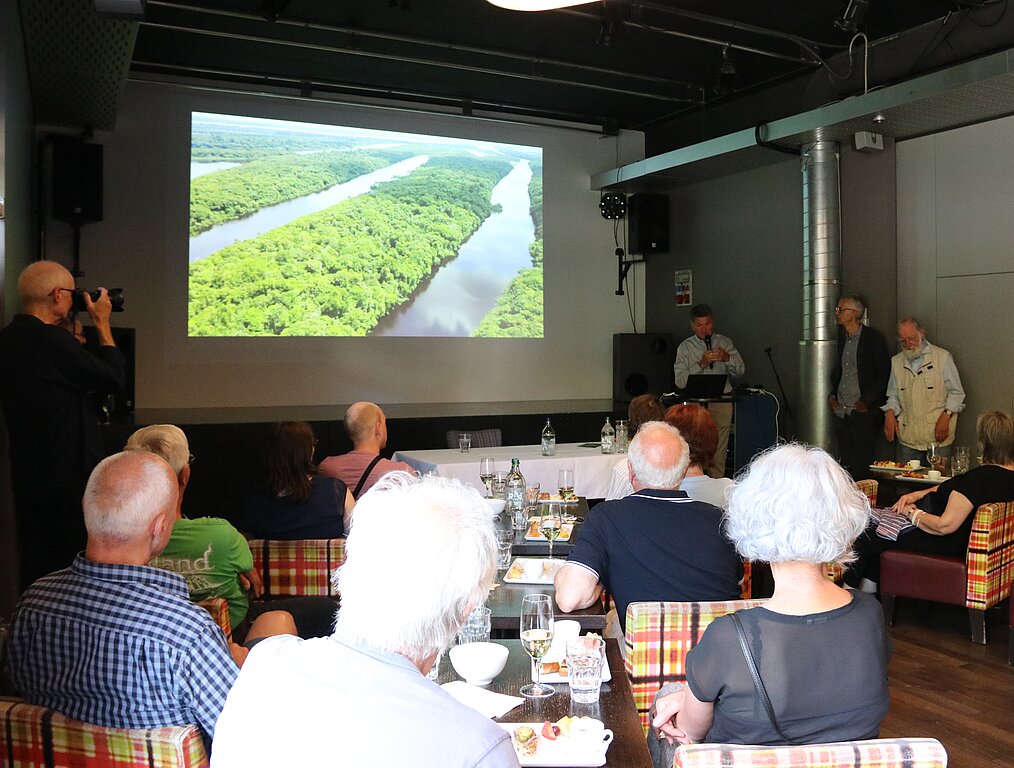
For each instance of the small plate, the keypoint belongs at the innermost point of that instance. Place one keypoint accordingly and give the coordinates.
(566, 530)
(555, 498)
(877, 468)
(556, 678)
(533, 574)
(561, 752)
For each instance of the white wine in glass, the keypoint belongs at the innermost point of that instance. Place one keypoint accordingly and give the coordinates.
(536, 638)
(551, 525)
(487, 467)
(565, 483)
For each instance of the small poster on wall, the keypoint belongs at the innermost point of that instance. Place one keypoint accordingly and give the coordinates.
(684, 287)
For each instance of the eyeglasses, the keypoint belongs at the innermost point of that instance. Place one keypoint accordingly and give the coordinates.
(191, 459)
(839, 310)
(68, 290)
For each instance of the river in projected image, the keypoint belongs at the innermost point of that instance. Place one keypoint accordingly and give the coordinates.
(454, 301)
(311, 230)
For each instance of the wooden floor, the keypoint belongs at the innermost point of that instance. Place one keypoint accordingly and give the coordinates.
(946, 687)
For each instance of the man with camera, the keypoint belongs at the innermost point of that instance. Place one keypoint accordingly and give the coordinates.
(47, 382)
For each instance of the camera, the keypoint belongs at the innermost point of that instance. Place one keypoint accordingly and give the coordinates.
(115, 298)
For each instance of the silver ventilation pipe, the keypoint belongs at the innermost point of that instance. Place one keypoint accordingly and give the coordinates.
(821, 286)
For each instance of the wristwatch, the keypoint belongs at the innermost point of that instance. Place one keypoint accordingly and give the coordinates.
(948, 411)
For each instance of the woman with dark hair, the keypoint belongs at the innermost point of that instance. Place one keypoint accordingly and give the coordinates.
(294, 501)
(943, 514)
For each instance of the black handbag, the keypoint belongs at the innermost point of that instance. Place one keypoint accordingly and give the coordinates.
(757, 682)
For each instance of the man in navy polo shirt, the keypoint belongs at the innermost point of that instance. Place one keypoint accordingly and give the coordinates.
(657, 544)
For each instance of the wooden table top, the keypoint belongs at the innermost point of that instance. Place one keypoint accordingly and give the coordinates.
(615, 707)
(524, 548)
(504, 603)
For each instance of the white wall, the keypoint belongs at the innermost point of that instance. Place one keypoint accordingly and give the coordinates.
(956, 255)
(142, 246)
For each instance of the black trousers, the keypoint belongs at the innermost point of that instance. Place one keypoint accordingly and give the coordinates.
(857, 437)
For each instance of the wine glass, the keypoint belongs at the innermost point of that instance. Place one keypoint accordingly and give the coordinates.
(551, 525)
(487, 467)
(536, 637)
(565, 483)
(107, 403)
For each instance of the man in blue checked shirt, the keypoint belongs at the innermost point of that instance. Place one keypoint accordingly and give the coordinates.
(113, 642)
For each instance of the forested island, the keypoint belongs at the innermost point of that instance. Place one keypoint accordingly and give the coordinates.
(338, 271)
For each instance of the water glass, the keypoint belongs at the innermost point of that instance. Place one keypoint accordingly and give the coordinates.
(585, 659)
(532, 491)
(476, 627)
(464, 442)
(500, 484)
(962, 459)
(505, 544)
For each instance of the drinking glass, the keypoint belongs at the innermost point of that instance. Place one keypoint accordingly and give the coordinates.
(532, 491)
(500, 485)
(487, 467)
(962, 459)
(107, 403)
(551, 525)
(565, 481)
(536, 637)
(476, 627)
(464, 442)
(505, 545)
(585, 659)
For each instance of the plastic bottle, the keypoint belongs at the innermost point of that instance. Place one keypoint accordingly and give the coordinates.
(608, 433)
(548, 440)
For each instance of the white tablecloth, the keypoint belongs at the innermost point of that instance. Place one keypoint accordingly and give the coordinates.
(592, 468)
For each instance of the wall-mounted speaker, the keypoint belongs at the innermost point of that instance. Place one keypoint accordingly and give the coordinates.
(76, 180)
(642, 362)
(648, 223)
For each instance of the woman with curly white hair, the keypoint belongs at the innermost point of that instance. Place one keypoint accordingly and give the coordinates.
(821, 651)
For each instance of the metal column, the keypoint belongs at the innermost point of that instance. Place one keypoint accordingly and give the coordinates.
(821, 287)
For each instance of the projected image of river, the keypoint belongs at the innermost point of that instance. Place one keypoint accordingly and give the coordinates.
(454, 301)
(266, 219)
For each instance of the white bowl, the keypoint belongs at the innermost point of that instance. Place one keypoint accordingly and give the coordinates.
(479, 663)
(496, 505)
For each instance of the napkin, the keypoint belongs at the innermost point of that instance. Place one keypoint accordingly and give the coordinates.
(891, 525)
(482, 701)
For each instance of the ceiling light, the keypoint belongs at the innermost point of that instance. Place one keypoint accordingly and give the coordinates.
(613, 205)
(852, 14)
(537, 5)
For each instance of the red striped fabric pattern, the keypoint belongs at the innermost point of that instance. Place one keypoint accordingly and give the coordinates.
(875, 753)
(990, 559)
(304, 567)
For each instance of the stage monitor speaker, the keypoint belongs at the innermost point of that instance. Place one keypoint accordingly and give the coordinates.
(642, 362)
(76, 181)
(125, 338)
(648, 223)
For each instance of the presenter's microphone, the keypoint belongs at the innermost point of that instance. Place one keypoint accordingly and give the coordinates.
(707, 343)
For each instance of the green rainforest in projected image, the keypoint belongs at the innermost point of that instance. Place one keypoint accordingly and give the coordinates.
(300, 229)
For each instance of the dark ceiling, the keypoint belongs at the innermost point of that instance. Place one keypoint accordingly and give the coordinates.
(619, 64)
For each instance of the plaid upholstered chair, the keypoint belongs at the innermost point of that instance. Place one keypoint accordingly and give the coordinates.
(658, 638)
(979, 581)
(303, 567)
(875, 753)
(218, 607)
(32, 736)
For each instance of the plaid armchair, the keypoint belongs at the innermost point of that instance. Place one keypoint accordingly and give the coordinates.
(658, 638)
(875, 753)
(218, 607)
(978, 582)
(32, 736)
(304, 567)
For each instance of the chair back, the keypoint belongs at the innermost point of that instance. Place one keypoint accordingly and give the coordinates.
(990, 558)
(218, 607)
(658, 637)
(298, 568)
(32, 736)
(481, 438)
(874, 753)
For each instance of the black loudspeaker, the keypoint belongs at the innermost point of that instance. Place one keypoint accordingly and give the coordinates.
(642, 362)
(76, 181)
(648, 223)
(123, 401)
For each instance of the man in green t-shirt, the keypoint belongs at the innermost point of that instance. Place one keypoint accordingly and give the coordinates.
(208, 552)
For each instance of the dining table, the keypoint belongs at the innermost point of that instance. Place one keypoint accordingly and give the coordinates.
(574, 514)
(592, 468)
(615, 707)
(504, 603)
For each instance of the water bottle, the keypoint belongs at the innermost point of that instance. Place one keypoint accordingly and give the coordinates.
(517, 505)
(621, 436)
(548, 440)
(607, 437)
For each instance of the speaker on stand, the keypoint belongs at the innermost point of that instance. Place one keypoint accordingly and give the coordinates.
(642, 362)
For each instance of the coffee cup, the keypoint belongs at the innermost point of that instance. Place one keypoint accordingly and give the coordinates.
(914, 464)
(590, 736)
(933, 474)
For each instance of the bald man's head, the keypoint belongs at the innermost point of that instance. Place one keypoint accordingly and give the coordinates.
(38, 281)
(361, 420)
(125, 493)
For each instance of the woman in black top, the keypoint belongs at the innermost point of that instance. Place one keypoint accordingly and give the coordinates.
(294, 501)
(944, 514)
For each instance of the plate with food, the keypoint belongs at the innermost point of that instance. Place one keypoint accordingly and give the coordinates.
(532, 570)
(889, 466)
(534, 534)
(576, 741)
(555, 671)
(555, 498)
